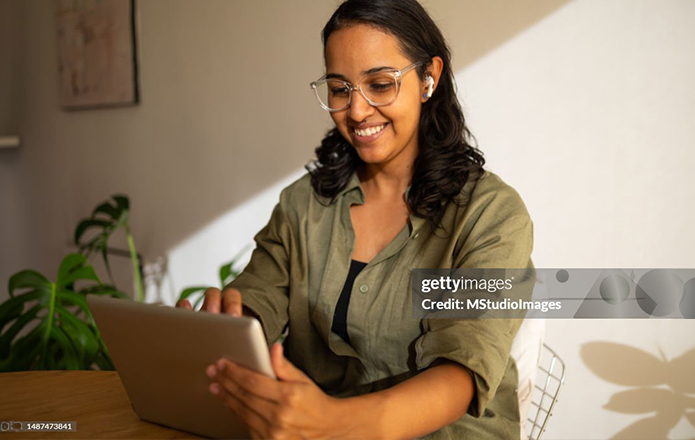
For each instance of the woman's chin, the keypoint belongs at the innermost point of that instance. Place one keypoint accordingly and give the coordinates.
(370, 155)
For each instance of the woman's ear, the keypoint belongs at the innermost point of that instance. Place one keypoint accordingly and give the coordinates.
(434, 71)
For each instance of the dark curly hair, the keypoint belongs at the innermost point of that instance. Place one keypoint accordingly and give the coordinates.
(447, 155)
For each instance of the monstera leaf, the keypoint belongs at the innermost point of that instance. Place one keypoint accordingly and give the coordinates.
(107, 218)
(40, 324)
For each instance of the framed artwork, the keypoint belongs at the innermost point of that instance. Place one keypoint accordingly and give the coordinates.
(97, 56)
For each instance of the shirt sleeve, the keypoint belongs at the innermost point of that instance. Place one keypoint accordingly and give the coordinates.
(264, 282)
(498, 233)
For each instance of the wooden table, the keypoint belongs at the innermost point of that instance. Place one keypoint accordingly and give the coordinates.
(96, 400)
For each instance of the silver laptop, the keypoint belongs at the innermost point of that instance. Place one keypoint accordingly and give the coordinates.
(161, 354)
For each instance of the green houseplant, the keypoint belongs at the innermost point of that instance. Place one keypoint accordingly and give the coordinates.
(107, 218)
(62, 338)
(48, 325)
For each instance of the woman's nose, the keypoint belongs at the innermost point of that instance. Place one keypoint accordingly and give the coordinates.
(359, 108)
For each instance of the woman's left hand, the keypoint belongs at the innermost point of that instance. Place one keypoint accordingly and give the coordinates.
(291, 407)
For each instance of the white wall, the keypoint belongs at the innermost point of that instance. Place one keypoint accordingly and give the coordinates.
(216, 244)
(10, 194)
(589, 115)
(6, 57)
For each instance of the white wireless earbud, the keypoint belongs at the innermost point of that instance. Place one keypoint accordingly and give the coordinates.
(430, 87)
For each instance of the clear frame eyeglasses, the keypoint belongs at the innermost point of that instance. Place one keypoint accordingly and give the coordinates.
(379, 88)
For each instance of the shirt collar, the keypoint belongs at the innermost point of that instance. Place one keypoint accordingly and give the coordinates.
(353, 184)
(416, 222)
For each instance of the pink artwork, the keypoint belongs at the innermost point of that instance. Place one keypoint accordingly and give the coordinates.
(96, 53)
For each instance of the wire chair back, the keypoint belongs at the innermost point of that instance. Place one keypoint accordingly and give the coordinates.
(549, 380)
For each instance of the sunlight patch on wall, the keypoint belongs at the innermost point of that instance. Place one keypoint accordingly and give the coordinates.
(196, 260)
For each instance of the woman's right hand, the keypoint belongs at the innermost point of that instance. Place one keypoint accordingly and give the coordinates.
(227, 301)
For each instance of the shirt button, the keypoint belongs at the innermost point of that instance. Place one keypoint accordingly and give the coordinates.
(364, 288)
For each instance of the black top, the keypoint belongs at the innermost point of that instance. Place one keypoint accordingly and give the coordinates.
(339, 326)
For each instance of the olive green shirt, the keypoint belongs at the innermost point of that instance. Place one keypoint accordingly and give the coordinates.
(300, 265)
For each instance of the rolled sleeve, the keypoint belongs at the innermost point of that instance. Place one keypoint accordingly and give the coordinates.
(498, 233)
(264, 283)
(481, 346)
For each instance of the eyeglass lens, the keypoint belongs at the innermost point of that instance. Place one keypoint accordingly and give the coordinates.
(380, 88)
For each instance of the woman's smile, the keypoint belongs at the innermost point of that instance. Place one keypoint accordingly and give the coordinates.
(368, 133)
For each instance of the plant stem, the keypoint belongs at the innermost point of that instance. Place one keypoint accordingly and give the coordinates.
(49, 324)
(136, 264)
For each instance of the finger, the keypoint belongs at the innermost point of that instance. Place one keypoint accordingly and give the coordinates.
(212, 300)
(184, 304)
(284, 369)
(250, 400)
(231, 301)
(254, 420)
(251, 382)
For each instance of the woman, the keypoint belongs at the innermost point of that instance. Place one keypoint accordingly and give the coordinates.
(397, 185)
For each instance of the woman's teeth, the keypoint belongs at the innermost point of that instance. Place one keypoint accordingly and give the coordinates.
(369, 131)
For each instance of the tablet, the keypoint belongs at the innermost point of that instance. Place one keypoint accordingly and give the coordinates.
(161, 354)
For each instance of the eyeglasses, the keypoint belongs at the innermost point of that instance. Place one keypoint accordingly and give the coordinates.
(378, 88)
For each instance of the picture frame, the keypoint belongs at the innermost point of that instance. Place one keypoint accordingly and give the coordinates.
(97, 53)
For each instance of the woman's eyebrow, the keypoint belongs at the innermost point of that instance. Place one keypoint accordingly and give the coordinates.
(364, 72)
(335, 75)
(377, 69)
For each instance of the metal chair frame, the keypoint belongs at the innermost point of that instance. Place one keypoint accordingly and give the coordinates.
(553, 378)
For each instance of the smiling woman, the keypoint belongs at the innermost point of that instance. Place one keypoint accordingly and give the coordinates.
(384, 135)
(397, 185)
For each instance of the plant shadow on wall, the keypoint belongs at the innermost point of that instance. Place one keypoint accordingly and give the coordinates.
(661, 389)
